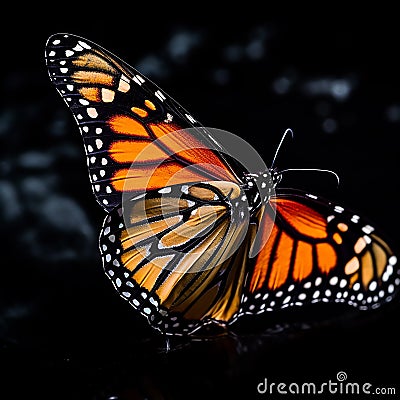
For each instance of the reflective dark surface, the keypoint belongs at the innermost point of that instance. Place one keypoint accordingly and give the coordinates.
(65, 333)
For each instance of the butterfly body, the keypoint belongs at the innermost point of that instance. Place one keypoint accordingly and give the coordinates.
(192, 236)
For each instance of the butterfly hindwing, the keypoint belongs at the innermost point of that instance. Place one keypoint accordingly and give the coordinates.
(319, 252)
(171, 253)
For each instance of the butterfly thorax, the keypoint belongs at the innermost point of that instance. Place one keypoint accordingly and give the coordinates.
(259, 187)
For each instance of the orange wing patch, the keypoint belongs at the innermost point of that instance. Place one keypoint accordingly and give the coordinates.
(303, 219)
(176, 156)
(125, 125)
(303, 262)
(143, 178)
(326, 257)
(281, 262)
(125, 151)
(292, 258)
(94, 61)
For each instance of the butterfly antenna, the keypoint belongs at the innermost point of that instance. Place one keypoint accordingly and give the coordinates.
(313, 169)
(280, 144)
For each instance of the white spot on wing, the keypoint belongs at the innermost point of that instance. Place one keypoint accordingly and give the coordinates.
(160, 95)
(152, 301)
(367, 229)
(185, 189)
(84, 44)
(165, 190)
(367, 239)
(169, 118)
(135, 79)
(334, 280)
(339, 209)
(92, 112)
(99, 143)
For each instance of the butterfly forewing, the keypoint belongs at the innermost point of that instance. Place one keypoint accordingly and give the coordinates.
(128, 124)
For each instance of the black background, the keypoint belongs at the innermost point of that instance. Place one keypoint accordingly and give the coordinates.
(64, 332)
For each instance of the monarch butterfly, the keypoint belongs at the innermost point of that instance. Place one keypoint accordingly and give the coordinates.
(176, 257)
